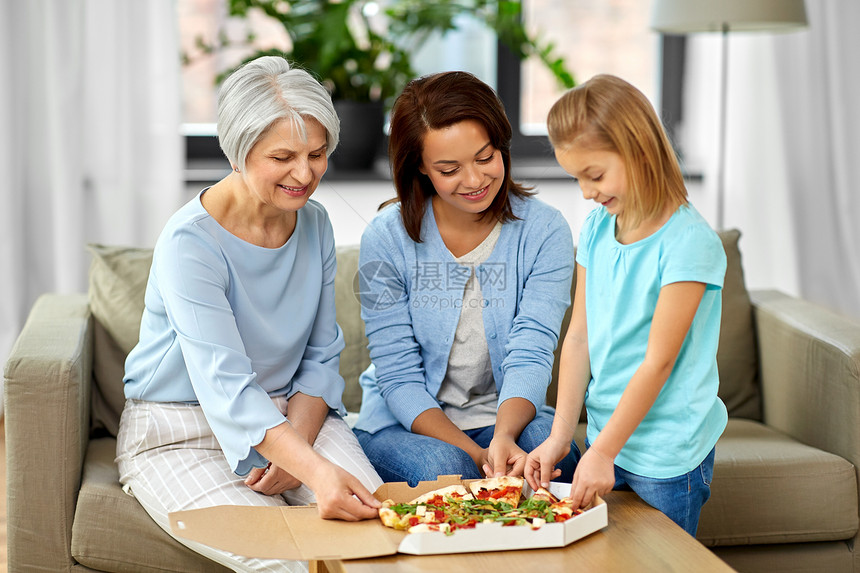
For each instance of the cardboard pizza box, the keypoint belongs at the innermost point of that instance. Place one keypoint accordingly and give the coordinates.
(297, 532)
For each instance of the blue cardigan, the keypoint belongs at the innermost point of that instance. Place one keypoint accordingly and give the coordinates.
(411, 294)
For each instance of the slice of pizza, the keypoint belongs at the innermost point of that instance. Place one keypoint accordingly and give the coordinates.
(405, 516)
(563, 509)
(506, 489)
(437, 497)
(545, 495)
(393, 519)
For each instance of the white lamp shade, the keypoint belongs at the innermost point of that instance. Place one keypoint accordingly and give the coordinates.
(685, 16)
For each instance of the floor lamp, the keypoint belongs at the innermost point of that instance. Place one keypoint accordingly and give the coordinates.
(688, 16)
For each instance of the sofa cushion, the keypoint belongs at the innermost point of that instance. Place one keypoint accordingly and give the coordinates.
(117, 283)
(111, 530)
(737, 357)
(770, 488)
(355, 357)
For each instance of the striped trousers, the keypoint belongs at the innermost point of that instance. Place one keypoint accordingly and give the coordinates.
(169, 460)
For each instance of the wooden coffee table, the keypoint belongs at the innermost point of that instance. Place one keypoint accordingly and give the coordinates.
(638, 538)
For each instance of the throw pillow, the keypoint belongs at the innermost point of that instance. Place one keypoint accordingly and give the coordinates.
(117, 283)
(355, 357)
(737, 357)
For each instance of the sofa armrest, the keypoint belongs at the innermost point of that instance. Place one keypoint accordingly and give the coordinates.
(810, 372)
(47, 410)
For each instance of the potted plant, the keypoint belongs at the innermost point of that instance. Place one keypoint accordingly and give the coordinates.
(361, 50)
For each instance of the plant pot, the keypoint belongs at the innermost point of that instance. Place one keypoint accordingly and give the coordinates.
(361, 134)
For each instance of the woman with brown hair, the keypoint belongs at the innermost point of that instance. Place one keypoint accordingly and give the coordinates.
(465, 278)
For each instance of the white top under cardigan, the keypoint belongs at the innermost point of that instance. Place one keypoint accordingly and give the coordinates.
(468, 393)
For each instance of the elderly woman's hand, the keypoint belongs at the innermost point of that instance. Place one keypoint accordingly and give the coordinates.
(271, 480)
(340, 495)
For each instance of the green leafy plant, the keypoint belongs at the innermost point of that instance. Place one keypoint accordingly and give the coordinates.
(343, 43)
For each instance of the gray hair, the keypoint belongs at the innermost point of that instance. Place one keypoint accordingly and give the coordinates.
(264, 91)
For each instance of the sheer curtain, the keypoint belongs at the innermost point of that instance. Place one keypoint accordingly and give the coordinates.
(90, 149)
(793, 143)
(817, 77)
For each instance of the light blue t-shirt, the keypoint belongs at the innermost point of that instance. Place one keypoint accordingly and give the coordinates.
(228, 324)
(622, 285)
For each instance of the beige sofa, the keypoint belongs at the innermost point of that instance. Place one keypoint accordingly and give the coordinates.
(785, 492)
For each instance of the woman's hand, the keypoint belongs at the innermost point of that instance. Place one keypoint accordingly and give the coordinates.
(594, 475)
(340, 495)
(481, 457)
(504, 457)
(271, 480)
(540, 464)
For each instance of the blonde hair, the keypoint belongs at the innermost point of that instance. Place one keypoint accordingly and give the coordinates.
(608, 113)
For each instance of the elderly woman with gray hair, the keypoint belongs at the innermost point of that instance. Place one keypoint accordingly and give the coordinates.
(233, 392)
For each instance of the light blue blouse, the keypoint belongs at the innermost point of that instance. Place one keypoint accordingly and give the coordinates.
(228, 324)
(622, 285)
(411, 295)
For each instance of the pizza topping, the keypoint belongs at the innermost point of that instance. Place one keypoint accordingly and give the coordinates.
(507, 489)
(497, 494)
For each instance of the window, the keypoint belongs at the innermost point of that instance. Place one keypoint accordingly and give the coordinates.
(205, 22)
(594, 36)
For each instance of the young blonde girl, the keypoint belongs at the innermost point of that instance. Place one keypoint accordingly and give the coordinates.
(641, 348)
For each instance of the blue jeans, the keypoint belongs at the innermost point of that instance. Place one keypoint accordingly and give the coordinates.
(681, 497)
(400, 455)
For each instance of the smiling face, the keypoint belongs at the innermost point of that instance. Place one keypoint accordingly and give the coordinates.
(463, 166)
(283, 169)
(602, 175)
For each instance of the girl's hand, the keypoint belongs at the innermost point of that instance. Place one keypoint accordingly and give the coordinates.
(340, 495)
(504, 457)
(271, 480)
(594, 475)
(540, 463)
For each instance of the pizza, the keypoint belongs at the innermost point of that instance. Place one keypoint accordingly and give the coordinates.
(489, 500)
(438, 496)
(507, 489)
(544, 494)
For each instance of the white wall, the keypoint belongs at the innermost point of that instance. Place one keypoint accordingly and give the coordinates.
(757, 198)
(352, 204)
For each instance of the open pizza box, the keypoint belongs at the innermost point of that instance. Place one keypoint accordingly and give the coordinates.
(297, 532)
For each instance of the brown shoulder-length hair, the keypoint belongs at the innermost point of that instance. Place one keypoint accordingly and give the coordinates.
(434, 102)
(608, 113)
